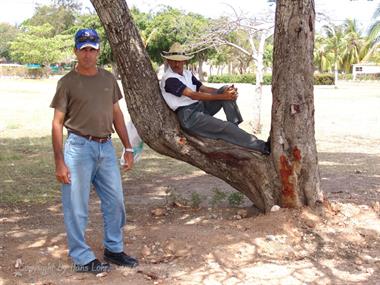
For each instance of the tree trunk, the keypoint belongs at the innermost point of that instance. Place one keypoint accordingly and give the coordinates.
(200, 69)
(265, 180)
(256, 108)
(115, 69)
(294, 149)
(255, 122)
(258, 58)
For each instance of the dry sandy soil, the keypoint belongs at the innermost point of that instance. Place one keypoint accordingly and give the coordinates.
(212, 245)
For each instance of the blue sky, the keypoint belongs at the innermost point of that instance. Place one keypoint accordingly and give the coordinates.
(15, 11)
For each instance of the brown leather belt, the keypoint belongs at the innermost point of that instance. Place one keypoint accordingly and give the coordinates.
(92, 138)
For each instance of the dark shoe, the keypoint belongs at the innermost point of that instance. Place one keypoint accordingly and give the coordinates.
(261, 146)
(94, 266)
(120, 258)
(266, 150)
(267, 144)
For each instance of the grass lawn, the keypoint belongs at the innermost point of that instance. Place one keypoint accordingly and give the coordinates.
(26, 171)
(26, 158)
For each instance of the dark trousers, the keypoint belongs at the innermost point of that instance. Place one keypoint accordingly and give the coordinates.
(198, 119)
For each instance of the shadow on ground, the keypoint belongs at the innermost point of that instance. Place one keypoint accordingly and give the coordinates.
(351, 177)
(189, 246)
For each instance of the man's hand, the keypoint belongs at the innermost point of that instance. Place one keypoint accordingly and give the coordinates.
(233, 88)
(128, 158)
(230, 93)
(62, 173)
(209, 94)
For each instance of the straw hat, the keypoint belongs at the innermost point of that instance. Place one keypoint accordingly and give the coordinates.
(176, 52)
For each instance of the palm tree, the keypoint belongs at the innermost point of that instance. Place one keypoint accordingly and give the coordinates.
(335, 45)
(374, 35)
(323, 59)
(352, 45)
(342, 47)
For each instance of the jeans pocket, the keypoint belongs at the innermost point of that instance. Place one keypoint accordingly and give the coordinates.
(76, 141)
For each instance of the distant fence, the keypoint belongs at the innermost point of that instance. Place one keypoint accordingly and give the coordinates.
(319, 79)
(31, 71)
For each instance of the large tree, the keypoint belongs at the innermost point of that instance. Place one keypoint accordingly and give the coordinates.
(35, 44)
(168, 26)
(7, 34)
(290, 175)
(60, 14)
(374, 37)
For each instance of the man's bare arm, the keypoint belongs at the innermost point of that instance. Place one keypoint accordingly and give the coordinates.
(121, 129)
(229, 94)
(61, 171)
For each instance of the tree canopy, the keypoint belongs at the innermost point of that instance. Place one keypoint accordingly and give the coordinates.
(35, 44)
(7, 34)
(168, 26)
(45, 38)
(61, 15)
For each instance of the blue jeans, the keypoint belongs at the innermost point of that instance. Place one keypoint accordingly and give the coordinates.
(94, 163)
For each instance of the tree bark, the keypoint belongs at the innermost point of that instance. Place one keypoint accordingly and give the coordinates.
(258, 58)
(294, 148)
(200, 59)
(115, 69)
(265, 180)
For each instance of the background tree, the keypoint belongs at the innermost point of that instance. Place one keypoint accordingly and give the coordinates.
(143, 22)
(46, 37)
(72, 5)
(35, 44)
(7, 34)
(335, 46)
(290, 175)
(171, 25)
(323, 59)
(339, 47)
(201, 57)
(61, 15)
(374, 37)
(268, 54)
(254, 32)
(219, 59)
(353, 45)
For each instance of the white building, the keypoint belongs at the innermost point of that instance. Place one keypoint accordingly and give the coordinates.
(365, 68)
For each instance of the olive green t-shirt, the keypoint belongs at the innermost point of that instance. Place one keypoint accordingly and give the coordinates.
(87, 102)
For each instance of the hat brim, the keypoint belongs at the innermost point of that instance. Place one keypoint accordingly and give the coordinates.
(87, 44)
(177, 57)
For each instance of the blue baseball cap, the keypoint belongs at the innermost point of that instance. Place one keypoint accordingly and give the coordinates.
(87, 38)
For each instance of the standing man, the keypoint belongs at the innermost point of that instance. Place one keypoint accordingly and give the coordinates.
(86, 103)
(195, 104)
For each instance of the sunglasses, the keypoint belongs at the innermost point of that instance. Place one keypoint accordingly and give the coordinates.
(84, 39)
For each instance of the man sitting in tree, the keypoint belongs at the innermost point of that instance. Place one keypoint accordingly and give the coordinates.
(195, 104)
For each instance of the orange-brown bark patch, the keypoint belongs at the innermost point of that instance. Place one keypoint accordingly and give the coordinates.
(285, 173)
(289, 195)
(182, 141)
(296, 154)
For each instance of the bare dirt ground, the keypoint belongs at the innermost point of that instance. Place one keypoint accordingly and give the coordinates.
(212, 244)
